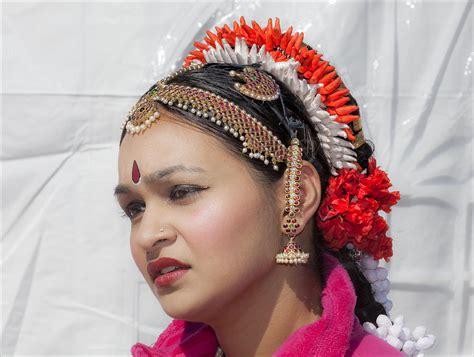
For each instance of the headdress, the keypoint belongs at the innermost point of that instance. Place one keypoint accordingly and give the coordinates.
(348, 216)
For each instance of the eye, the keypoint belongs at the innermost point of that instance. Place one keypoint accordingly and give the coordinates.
(180, 192)
(129, 211)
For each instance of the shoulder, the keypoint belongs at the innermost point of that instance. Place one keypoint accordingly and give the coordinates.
(364, 344)
(180, 337)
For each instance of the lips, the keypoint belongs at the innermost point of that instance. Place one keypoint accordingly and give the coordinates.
(154, 267)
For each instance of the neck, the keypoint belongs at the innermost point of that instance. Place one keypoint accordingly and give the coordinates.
(262, 318)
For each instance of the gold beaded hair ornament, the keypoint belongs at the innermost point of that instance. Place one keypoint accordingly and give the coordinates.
(257, 140)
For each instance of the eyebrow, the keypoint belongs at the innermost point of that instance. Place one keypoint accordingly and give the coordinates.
(157, 176)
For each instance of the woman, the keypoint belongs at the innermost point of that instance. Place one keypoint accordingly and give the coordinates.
(253, 202)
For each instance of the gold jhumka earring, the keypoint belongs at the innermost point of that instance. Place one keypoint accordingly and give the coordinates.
(292, 253)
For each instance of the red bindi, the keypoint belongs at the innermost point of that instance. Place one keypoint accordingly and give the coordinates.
(135, 172)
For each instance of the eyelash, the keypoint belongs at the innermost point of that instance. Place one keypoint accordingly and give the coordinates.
(191, 191)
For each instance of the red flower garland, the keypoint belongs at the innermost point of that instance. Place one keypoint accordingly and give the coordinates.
(349, 211)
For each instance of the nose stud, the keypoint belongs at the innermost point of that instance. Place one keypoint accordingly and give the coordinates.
(162, 230)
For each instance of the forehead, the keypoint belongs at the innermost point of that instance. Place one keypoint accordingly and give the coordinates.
(170, 142)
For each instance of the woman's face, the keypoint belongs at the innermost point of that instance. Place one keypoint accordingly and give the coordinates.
(215, 216)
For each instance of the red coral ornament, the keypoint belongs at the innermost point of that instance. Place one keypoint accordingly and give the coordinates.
(349, 211)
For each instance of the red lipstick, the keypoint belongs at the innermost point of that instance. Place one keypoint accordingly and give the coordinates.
(167, 277)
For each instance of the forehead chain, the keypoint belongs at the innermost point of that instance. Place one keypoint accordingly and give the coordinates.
(257, 140)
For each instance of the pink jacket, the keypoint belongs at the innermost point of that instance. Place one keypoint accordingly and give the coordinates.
(337, 333)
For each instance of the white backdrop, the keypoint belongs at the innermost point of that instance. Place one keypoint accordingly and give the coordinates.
(71, 71)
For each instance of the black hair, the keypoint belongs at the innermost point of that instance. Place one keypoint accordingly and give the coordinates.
(214, 77)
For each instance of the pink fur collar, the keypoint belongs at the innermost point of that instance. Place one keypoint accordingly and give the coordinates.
(331, 333)
(336, 333)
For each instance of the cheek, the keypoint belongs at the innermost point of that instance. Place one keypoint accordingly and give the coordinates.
(231, 231)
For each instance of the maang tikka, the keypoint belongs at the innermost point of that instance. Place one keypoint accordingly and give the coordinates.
(261, 86)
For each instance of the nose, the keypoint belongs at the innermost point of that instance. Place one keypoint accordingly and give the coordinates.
(154, 234)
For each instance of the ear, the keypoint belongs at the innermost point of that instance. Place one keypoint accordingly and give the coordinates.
(310, 193)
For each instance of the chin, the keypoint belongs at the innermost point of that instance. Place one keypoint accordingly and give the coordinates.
(186, 308)
(182, 312)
